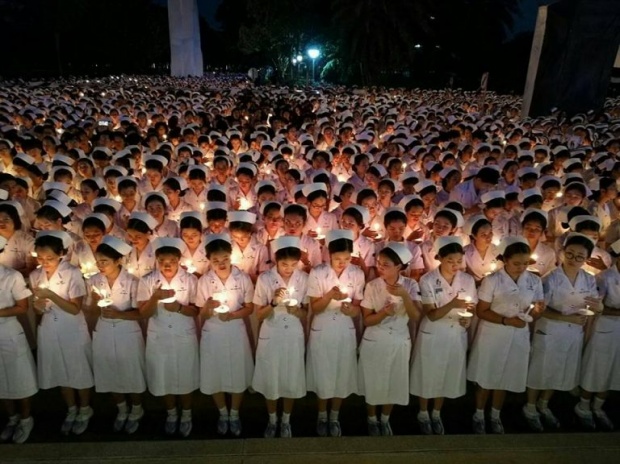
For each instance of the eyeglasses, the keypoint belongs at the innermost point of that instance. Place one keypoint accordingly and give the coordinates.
(574, 257)
(293, 225)
(319, 206)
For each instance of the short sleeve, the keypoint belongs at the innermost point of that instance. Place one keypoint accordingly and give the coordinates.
(487, 288)
(416, 262)
(77, 287)
(370, 297)
(360, 281)
(414, 290)
(19, 289)
(262, 294)
(145, 289)
(314, 284)
(248, 289)
(426, 292)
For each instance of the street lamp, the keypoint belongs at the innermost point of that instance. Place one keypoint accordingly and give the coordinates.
(313, 53)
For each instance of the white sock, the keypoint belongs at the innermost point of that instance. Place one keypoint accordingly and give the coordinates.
(333, 415)
(286, 417)
(173, 412)
(234, 413)
(372, 419)
(597, 404)
(543, 405)
(186, 415)
(436, 414)
(13, 420)
(122, 407)
(423, 415)
(73, 410)
(85, 410)
(273, 418)
(136, 409)
(385, 418)
(322, 416)
(531, 409)
(495, 413)
(223, 412)
(584, 404)
(479, 414)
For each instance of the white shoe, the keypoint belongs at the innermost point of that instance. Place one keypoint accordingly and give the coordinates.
(22, 432)
(81, 420)
(9, 428)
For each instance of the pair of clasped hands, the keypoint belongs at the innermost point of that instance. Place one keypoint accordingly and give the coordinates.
(398, 290)
(465, 306)
(278, 297)
(207, 310)
(592, 303)
(345, 307)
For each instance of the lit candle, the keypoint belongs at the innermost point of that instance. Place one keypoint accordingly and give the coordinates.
(189, 264)
(559, 195)
(468, 299)
(118, 198)
(493, 267)
(149, 121)
(221, 298)
(130, 269)
(43, 285)
(202, 206)
(33, 254)
(495, 241)
(244, 204)
(404, 165)
(88, 269)
(534, 257)
(165, 137)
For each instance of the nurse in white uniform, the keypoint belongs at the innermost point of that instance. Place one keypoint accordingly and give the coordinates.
(439, 357)
(248, 254)
(166, 296)
(118, 344)
(446, 222)
(141, 260)
(280, 301)
(533, 225)
(19, 378)
(600, 367)
(295, 218)
(156, 205)
(64, 345)
(499, 356)
(224, 296)
(390, 301)
(194, 259)
(558, 338)
(481, 253)
(335, 291)
(355, 218)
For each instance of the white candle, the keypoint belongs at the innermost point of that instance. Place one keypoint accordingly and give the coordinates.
(534, 257)
(468, 299)
(189, 265)
(33, 254)
(43, 285)
(493, 267)
(202, 206)
(495, 241)
(222, 298)
(244, 204)
(559, 195)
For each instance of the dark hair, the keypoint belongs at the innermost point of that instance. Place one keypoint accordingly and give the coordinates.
(531, 200)
(344, 190)
(413, 203)
(216, 195)
(296, 210)
(495, 203)
(127, 183)
(295, 174)
(247, 171)
(446, 214)
(271, 206)
(288, 253)
(579, 240)
(266, 188)
(394, 216)
(392, 256)
(217, 214)
(587, 225)
(53, 243)
(138, 225)
(174, 184)
(109, 252)
(389, 183)
(576, 185)
(93, 222)
(51, 214)
(488, 175)
(454, 206)
(241, 226)
(356, 215)
(152, 198)
(112, 172)
(216, 246)
(190, 222)
(11, 211)
(154, 164)
(518, 248)
(340, 245)
(604, 183)
(535, 216)
(197, 174)
(168, 250)
(478, 225)
(365, 193)
(317, 194)
(104, 209)
(91, 184)
(62, 171)
(449, 249)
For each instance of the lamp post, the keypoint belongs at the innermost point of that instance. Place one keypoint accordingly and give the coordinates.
(313, 53)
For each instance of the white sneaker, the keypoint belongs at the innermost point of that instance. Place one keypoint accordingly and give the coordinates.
(9, 428)
(22, 432)
(81, 420)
